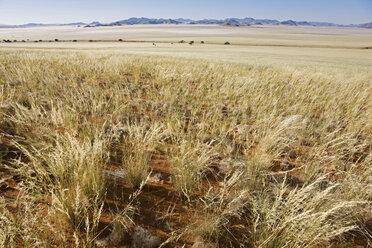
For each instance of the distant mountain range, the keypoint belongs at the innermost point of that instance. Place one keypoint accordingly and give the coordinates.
(229, 22)
(366, 25)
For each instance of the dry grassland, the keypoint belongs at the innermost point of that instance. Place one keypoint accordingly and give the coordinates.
(262, 143)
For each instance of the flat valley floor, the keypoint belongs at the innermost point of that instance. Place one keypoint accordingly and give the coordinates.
(300, 46)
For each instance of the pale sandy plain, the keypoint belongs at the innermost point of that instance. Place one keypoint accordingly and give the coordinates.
(298, 46)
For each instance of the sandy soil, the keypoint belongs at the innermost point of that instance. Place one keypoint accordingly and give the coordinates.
(299, 46)
(349, 37)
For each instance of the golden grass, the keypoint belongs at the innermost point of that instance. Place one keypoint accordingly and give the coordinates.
(72, 113)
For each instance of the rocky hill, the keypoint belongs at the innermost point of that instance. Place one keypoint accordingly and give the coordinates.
(366, 25)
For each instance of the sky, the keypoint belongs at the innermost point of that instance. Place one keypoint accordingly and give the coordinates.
(64, 11)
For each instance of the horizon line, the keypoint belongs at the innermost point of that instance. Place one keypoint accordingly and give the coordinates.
(186, 18)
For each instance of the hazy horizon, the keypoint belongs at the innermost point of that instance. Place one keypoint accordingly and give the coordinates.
(16, 12)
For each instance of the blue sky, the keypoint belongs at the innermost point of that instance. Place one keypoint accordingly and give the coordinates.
(62, 11)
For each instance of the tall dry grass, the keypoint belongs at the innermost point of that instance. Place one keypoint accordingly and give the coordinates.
(70, 114)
